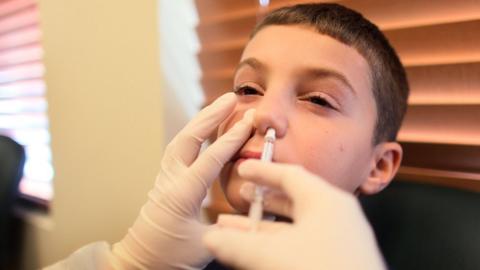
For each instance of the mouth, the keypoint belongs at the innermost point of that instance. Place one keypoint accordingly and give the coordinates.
(244, 155)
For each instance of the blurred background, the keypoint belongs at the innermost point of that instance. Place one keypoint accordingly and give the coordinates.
(94, 90)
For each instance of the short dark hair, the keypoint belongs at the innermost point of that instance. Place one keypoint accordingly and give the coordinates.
(389, 82)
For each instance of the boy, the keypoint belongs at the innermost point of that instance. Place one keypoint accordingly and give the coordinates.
(335, 92)
(332, 87)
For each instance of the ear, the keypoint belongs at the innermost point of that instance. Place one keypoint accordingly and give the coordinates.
(387, 157)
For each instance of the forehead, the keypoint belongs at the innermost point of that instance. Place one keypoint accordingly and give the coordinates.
(293, 48)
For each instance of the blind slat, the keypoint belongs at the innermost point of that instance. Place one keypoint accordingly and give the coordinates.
(385, 14)
(445, 84)
(10, 7)
(453, 124)
(449, 157)
(23, 121)
(453, 179)
(214, 11)
(30, 137)
(438, 44)
(414, 13)
(21, 55)
(22, 37)
(19, 20)
(22, 89)
(23, 105)
(22, 72)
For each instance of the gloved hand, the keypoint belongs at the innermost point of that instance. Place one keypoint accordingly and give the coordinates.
(329, 230)
(167, 233)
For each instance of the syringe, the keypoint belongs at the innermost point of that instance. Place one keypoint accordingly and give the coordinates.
(256, 207)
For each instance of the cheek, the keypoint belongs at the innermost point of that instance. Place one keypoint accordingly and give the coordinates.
(336, 152)
(333, 161)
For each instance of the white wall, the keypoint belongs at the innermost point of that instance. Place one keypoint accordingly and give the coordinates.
(179, 48)
(106, 117)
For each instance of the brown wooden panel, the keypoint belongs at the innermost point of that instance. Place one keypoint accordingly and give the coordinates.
(215, 88)
(447, 157)
(445, 84)
(228, 30)
(431, 45)
(438, 44)
(235, 23)
(414, 13)
(385, 14)
(436, 40)
(459, 180)
(452, 124)
(218, 12)
(212, 8)
(220, 60)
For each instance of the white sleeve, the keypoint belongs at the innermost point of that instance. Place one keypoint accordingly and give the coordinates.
(92, 256)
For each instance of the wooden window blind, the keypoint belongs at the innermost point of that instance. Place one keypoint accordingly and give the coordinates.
(438, 43)
(22, 102)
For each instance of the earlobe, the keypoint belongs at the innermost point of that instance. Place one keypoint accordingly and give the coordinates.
(386, 161)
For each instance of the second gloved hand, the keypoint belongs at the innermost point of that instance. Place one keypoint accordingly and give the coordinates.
(167, 234)
(329, 230)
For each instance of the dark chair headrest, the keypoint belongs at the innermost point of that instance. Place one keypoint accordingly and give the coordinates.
(420, 226)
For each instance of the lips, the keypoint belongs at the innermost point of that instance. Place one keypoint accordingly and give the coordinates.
(244, 155)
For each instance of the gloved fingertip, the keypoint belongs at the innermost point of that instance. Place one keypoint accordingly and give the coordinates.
(228, 97)
(247, 191)
(221, 220)
(245, 166)
(211, 238)
(249, 114)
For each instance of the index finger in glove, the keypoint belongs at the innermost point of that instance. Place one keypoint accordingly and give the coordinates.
(186, 145)
(212, 160)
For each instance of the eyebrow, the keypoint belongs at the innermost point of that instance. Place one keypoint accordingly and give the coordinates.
(253, 63)
(311, 72)
(330, 73)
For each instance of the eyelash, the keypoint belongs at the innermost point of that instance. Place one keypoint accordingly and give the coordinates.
(319, 101)
(314, 99)
(241, 90)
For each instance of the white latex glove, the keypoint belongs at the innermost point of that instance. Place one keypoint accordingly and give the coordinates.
(329, 229)
(167, 234)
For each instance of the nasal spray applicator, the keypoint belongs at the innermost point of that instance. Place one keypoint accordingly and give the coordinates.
(256, 207)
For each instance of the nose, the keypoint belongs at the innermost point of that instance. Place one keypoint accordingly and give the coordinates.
(271, 112)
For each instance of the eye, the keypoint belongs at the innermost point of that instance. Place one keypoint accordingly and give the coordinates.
(319, 100)
(246, 91)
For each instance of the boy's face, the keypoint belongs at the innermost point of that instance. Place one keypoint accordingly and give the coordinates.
(316, 93)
